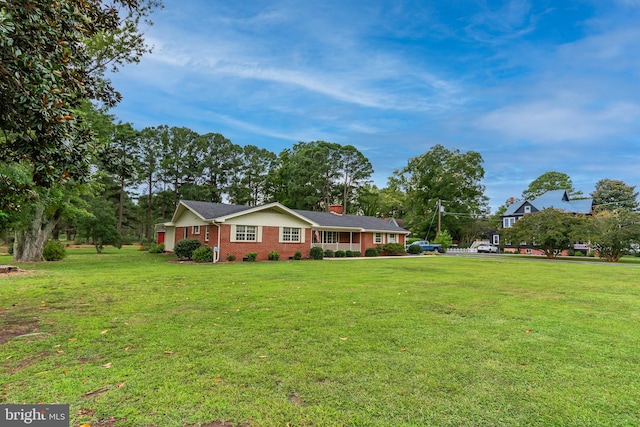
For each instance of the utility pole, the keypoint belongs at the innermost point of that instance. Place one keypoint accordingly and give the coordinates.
(439, 217)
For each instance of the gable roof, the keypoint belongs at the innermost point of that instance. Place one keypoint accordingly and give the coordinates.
(219, 212)
(558, 199)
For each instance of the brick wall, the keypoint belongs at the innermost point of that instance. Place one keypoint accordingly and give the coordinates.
(270, 237)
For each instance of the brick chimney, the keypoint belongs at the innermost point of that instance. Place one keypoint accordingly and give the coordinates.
(335, 209)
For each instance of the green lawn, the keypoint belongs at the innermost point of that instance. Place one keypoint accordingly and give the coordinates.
(435, 340)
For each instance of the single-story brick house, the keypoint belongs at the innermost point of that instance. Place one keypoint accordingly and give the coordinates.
(237, 230)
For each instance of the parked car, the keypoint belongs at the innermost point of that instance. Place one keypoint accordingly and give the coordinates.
(487, 249)
(426, 246)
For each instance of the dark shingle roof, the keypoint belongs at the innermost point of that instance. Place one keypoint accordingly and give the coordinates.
(210, 211)
(554, 199)
(327, 219)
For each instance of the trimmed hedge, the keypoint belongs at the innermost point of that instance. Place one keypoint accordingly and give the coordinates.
(371, 252)
(316, 253)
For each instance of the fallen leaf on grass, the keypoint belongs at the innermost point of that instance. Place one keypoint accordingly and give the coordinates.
(107, 365)
(528, 331)
(262, 357)
(73, 339)
(120, 385)
(104, 332)
(344, 339)
(403, 349)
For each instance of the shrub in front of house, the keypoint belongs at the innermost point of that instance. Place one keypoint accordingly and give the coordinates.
(371, 252)
(54, 251)
(184, 248)
(231, 257)
(274, 256)
(203, 254)
(156, 249)
(297, 256)
(328, 253)
(316, 253)
(340, 254)
(252, 256)
(415, 249)
(393, 249)
(348, 254)
(356, 254)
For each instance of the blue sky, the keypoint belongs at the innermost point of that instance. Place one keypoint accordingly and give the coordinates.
(532, 85)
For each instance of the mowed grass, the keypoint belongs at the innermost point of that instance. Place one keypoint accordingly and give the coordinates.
(428, 341)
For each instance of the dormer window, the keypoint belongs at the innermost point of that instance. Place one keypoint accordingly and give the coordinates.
(527, 209)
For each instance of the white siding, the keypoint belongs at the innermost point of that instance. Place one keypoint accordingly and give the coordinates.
(188, 218)
(270, 218)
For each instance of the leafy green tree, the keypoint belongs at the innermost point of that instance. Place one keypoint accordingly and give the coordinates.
(100, 225)
(550, 181)
(180, 147)
(221, 160)
(306, 175)
(445, 239)
(612, 194)
(611, 233)
(356, 171)
(549, 230)
(120, 158)
(441, 175)
(53, 58)
(249, 186)
(149, 162)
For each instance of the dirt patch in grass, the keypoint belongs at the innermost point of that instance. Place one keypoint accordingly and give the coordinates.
(13, 326)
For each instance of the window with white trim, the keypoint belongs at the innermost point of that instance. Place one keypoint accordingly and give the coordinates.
(206, 233)
(290, 234)
(195, 229)
(508, 222)
(527, 209)
(496, 239)
(246, 233)
(392, 238)
(329, 237)
(377, 238)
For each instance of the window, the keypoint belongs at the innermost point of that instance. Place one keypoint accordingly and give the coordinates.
(206, 233)
(186, 232)
(496, 239)
(290, 234)
(330, 237)
(245, 233)
(377, 238)
(195, 229)
(508, 222)
(527, 209)
(392, 238)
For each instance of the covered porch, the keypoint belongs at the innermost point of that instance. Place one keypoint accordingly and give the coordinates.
(337, 240)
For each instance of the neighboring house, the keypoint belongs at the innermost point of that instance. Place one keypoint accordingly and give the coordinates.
(237, 230)
(558, 199)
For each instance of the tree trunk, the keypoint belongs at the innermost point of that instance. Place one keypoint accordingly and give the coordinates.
(30, 241)
(121, 206)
